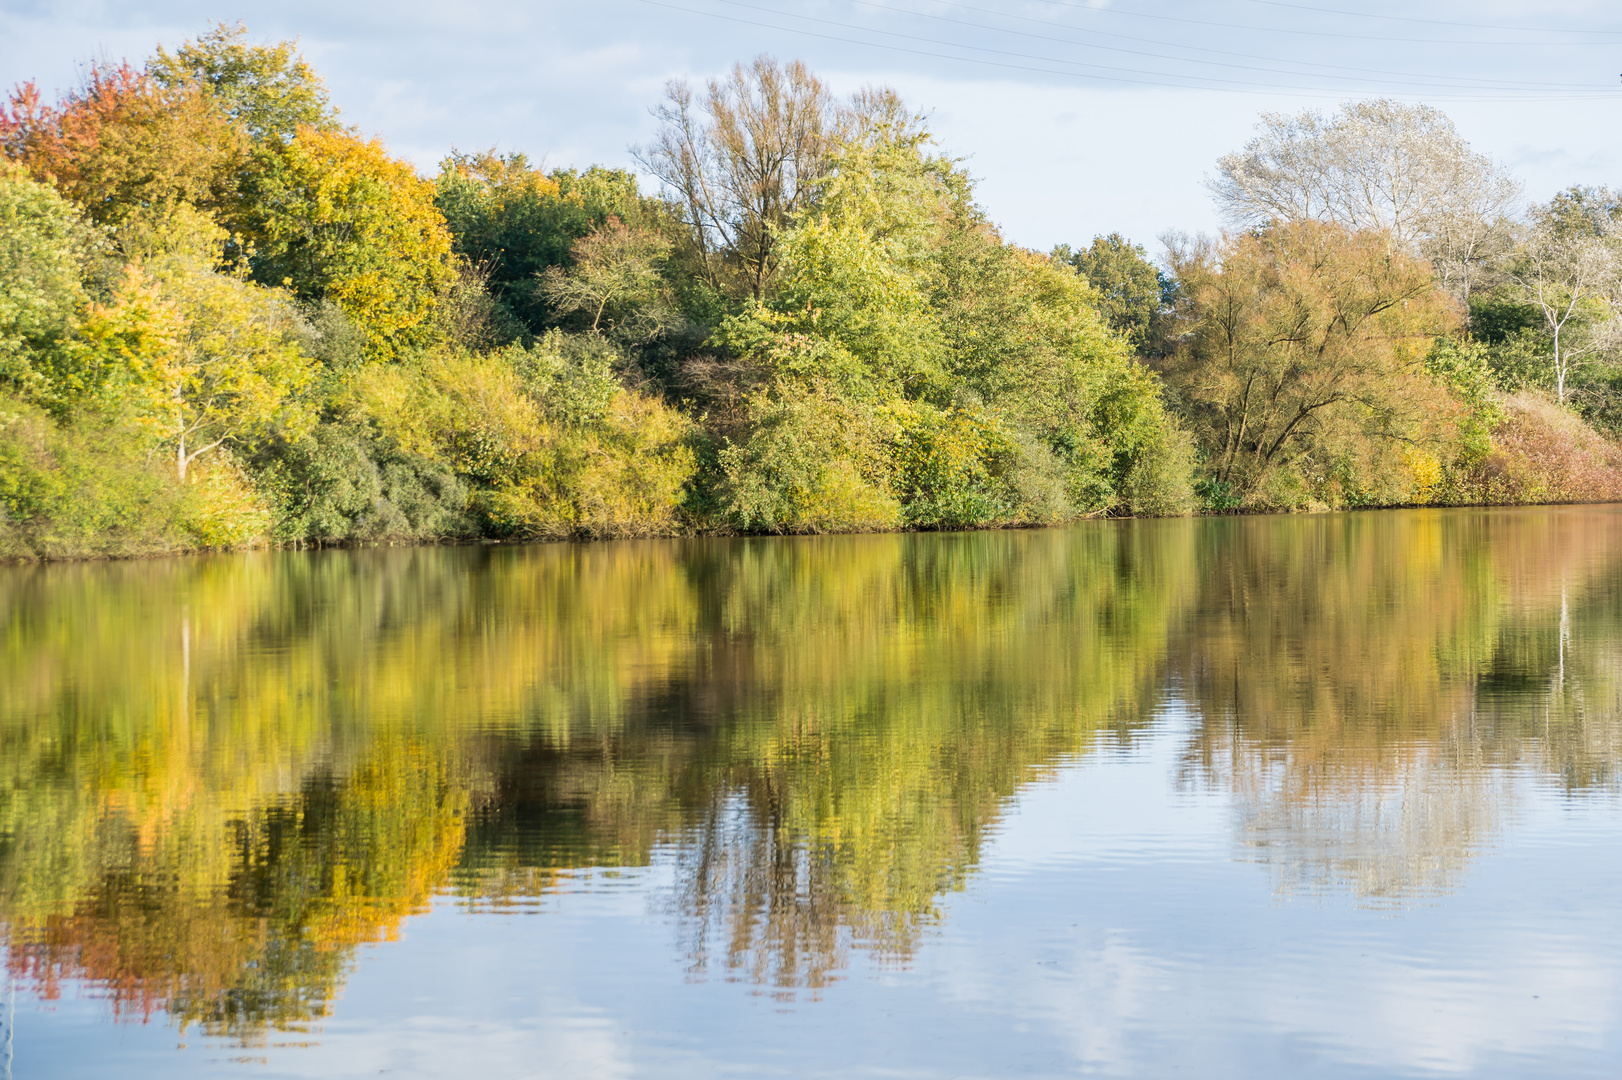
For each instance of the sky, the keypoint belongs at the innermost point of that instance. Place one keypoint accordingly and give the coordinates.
(1077, 118)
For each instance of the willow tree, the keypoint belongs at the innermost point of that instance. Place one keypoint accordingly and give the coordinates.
(1302, 366)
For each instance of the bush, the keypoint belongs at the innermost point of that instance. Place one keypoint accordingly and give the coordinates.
(1159, 477)
(221, 507)
(625, 475)
(84, 489)
(341, 485)
(1543, 453)
(809, 465)
(953, 468)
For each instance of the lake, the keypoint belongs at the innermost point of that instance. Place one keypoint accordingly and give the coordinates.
(1331, 795)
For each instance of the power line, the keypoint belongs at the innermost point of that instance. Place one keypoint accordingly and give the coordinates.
(1339, 35)
(1430, 22)
(1179, 45)
(1435, 80)
(1154, 78)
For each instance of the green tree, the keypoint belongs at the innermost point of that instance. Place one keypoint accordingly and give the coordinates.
(1134, 296)
(515, 222)
(44, 246)
(268, 90)
(234, 369)
(616, 282)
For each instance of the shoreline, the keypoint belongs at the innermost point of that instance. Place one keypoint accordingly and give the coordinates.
(12, 562)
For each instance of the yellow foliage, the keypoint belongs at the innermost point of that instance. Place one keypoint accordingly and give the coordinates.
(1425, 471)
(222, 508)
(340, 219)
(623, 474)
(623, 477)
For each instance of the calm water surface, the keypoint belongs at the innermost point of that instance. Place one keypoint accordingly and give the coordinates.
(1333, 796)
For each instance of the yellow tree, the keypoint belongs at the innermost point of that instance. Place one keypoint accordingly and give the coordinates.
(231, 368)
(335, 217)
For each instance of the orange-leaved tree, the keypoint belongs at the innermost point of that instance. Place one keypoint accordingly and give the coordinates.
(123, 146)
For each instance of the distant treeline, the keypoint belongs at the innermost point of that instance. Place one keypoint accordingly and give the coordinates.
(228, 319)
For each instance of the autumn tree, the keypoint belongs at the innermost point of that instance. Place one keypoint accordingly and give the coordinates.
(742, 160)
(616, 283)
(1304, 359)
(339, 219)
(514, 221)
(1382, 165)
(123, 145)
(267, 90)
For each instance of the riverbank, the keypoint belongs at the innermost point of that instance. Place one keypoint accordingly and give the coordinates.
(502, 352)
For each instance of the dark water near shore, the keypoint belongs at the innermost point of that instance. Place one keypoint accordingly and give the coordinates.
(1335, 796)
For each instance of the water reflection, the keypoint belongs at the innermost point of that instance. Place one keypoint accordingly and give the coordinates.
(220, 776)
(1364, 680)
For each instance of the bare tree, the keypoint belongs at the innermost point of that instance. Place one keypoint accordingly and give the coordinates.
(742, 161)
(1573, 276)
(1382, 165)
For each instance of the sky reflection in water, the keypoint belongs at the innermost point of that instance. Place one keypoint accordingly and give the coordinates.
(1234, 797)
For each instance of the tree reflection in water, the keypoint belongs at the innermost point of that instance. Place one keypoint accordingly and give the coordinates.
(220, 776)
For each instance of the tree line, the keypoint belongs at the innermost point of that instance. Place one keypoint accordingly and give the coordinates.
(227, 318)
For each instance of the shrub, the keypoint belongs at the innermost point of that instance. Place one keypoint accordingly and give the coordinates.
(220, 507)
(1543, 453)
(810, 464)
(623, 476)
(340, 484)
(953, 468)
(83, 489)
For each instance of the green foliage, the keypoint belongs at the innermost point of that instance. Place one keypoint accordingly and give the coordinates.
(516, 222)
(87, 488)
(812, 462)
(1513, 334)
(341, 484)
(1134, 297)
(1465, 367)
(952, 468)
(44, 246)
(266, 89)
(963, 380)
(233, 371)
(547, 440)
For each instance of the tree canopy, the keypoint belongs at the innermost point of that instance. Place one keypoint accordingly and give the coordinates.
(224, 316)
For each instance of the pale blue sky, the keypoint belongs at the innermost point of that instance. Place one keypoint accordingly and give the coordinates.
(1079, 118)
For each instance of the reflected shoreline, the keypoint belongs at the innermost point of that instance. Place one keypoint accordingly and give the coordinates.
(224, 775)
